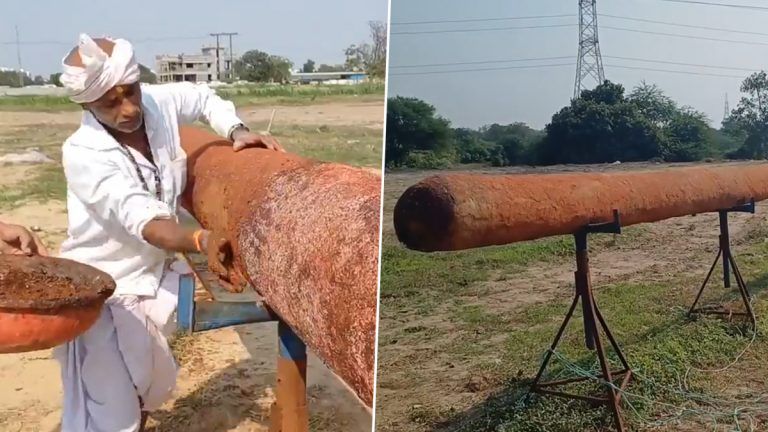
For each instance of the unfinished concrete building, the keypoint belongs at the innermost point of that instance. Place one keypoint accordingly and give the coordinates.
(203, 67)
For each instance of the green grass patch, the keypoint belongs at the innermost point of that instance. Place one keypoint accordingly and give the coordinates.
(660, 342)
(37, 103)
(47, 184)
(421, 281)
(48, 139)
(240, 96)
(347, 144)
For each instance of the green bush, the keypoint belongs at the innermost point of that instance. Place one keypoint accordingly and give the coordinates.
(427, 160)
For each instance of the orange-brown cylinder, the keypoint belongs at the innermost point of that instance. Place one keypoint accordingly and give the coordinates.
(462, 211)
(305, 234)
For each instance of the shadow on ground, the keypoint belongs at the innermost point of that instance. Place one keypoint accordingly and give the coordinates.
(238, 397)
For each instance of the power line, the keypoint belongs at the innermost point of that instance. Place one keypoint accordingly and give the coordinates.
(481, 29)
(686, 36)
(684, 64)
(480, 62)
(482, 69)
(683, 25)
(644, 20)
(134, 41)
(675, 71)
(573, 25)
(483, 19)
(566, 64)
(737, 6)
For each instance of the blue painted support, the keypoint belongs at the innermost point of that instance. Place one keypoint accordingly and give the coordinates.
(291, 346)
(289, 412)
(211, 315)
(185, 311)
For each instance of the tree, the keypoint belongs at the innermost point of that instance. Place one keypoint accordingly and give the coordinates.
(412, 126)
(330, 68)
(258, 66)
(55, 79)
(11, 78)
(376, 63)
(688, 137)
(749, 121)
(370, 57)
(508, 151)
(146, 75)
(513, 143)
(38, 80)
(355, 57)
(653, 103)
(308, 67)
(601, 126)
(470, 146)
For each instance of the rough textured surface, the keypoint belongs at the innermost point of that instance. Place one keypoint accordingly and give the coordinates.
(47, 301)
(42, 283)
(461, 211)
(305, 234)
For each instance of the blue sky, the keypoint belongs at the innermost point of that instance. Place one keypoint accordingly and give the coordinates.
(532, 95)
(297, 29)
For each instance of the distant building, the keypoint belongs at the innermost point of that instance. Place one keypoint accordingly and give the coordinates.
(194, 67)
(328, 77)
(7, 69)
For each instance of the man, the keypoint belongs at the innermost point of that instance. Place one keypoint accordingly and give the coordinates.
(17, 240)
(125, 171)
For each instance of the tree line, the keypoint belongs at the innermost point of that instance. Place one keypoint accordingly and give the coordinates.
(603, 125)
(259, 66)
(369, 57)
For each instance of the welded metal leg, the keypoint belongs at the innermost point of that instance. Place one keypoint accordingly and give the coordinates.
(289, 412)
(556, 342)
(746, 297)
(613, 397)
(593, 341)
(693, 309)
(729, 265)
(725, 240)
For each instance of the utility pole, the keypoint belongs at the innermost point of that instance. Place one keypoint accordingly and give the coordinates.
(589, 63)
(218, 65)
(18, 56)
(218, 61)
(231, 57)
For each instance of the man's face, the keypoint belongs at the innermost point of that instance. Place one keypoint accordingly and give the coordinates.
(119, 108)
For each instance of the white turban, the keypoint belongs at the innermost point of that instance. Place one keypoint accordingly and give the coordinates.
(101, 71)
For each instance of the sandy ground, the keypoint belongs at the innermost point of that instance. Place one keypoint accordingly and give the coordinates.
(227, 377)
(369, 114)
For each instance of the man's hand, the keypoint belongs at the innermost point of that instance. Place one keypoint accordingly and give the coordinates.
(244, 138)
(221, 261)
(17, 240)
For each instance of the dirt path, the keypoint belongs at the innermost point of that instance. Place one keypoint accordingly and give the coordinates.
(370, 114)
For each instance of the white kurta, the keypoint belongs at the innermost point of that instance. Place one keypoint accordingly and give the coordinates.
(125, 355)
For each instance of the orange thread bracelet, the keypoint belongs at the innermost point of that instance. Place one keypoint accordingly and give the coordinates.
(196, 238)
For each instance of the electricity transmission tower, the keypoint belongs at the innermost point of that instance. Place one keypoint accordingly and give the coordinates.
(727, 109)
(589, 65)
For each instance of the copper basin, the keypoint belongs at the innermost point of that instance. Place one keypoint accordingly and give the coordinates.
(47, 301)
